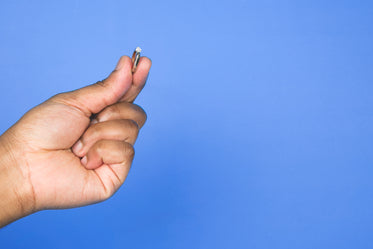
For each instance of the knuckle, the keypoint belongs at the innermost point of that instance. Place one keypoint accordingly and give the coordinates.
(133, 125)
(101, 83)
(140, 112)
(139, 109)
(129, 150)
(145, 117)
(106, 86)
(65, 98)
(59, 96)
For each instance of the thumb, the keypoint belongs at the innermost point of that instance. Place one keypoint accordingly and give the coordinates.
(93, 98)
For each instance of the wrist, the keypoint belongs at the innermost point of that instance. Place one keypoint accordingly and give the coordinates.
(16, 194)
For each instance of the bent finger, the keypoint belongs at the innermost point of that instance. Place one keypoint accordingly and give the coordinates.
(122, 110)
(108, 152)
(138, 80)
(122, 130)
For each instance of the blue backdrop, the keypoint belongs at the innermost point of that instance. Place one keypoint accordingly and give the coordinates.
(260, 127)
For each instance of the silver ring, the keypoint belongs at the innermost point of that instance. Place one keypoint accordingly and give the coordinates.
(135, 59)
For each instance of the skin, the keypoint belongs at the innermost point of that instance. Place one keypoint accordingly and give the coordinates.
(57, 156)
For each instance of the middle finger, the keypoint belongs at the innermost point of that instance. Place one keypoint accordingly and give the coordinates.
(122, 110)
(121, 129)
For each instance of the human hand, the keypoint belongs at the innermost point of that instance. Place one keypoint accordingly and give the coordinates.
(55, 157)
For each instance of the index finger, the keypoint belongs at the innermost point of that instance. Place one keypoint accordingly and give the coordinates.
(138, 80)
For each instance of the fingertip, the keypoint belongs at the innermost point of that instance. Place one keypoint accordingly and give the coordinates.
(141, 74)
(122, 71)
(144, 65)
(146, 61)
(77, 148)
(84, 161)
(123, 62)
(125, 67)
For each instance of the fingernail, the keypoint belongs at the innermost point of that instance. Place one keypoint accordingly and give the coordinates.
(120, 64)
(78, 146)
(94, 121)
(84, 160)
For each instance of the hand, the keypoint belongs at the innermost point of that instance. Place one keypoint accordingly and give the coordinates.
(38, 160)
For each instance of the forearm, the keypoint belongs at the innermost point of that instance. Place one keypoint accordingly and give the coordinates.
(15, 200)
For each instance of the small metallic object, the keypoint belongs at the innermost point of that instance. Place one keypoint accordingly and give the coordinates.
(135, 59)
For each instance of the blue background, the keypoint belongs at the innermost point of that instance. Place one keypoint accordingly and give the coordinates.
(260, 128)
